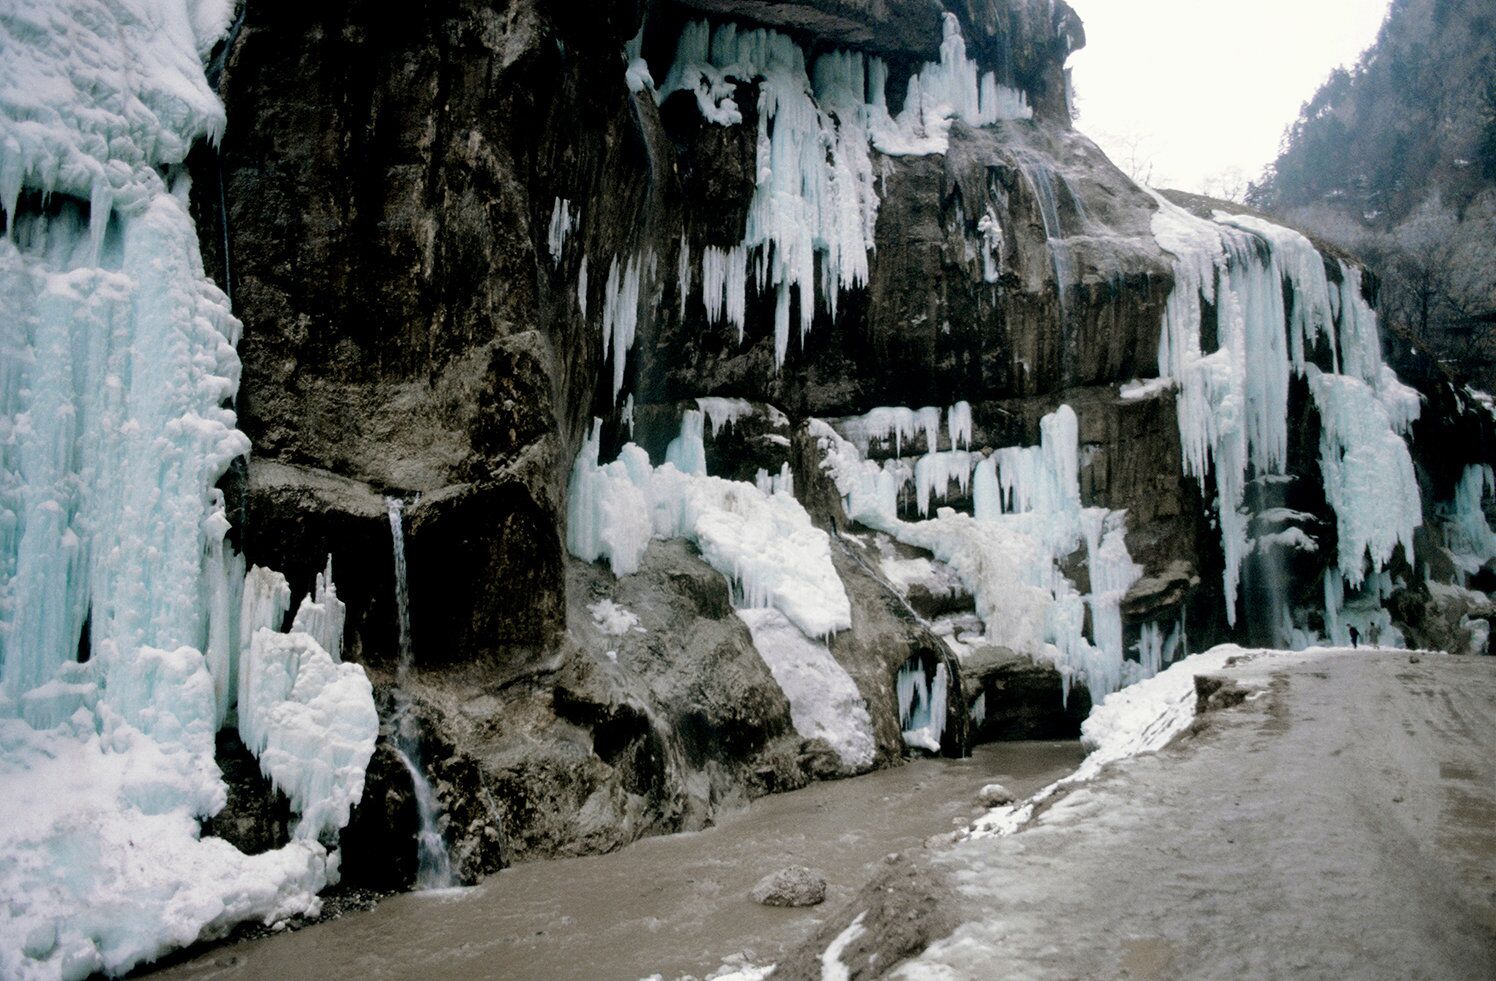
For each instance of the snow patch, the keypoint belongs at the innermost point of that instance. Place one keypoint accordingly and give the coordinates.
(765, 544)
(824, 701)
(612, 619)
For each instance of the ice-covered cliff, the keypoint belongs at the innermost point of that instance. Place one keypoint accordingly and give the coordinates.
(770, 390)
(129, 630)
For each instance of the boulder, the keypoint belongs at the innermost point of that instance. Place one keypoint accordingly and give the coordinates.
(795, 885)
(995, 795)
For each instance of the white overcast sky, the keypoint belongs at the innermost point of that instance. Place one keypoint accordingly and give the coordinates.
(1200, 87)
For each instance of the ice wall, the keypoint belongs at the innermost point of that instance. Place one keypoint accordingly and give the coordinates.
(1026, 517)
(1467, 534)
(117, 370)
(1273, 302)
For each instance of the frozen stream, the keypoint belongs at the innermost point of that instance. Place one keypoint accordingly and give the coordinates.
(674, 905)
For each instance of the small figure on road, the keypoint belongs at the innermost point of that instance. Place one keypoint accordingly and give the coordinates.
(1355, 637)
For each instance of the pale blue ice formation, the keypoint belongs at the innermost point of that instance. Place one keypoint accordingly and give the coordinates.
(117, 370)
(1026, 517)
(922, 704)
(1273, 300)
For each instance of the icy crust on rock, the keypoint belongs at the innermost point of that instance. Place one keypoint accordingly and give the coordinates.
(765, 544)
(117, 367)
(815, 203)
(613, 619)
(824, 701)
(1273, 300)
(1468, 537)
(1027, 516)
(94, 93)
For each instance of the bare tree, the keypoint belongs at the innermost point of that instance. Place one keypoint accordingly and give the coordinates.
(1133, 154)
(1230, 184)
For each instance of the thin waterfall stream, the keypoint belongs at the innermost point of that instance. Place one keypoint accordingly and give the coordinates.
(435, 868)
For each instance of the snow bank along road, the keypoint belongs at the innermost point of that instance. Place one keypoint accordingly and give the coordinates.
(1339, 822)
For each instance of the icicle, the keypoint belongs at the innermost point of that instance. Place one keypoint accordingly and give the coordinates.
(322, 614)
(683, 273)
(582, 288)
(958, 425)
(687, 452)
(563, 223)
(621, 314)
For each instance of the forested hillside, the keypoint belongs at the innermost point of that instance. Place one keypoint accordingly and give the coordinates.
(1396, 160)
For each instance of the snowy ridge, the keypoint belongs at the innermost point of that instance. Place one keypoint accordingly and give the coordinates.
(1142, 718)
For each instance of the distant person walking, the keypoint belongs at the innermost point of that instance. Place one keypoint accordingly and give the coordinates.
(1355, 637)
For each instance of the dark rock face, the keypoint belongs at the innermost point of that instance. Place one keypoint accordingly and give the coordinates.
(623, 734)
(1022, 700)
(379, 845)
(908, 28)
(256, 818)
(382, 260)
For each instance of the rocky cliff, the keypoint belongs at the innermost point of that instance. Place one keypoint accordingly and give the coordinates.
(457, 237)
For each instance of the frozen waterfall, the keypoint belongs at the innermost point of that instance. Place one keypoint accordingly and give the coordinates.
(127, 622)
(1274, 301)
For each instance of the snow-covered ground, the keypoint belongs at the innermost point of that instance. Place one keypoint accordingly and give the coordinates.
(1339, 822)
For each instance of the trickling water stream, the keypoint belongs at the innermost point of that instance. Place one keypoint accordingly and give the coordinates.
(435, 869)
(1044, 182)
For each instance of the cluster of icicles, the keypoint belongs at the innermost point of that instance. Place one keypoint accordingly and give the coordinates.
(815, 205)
